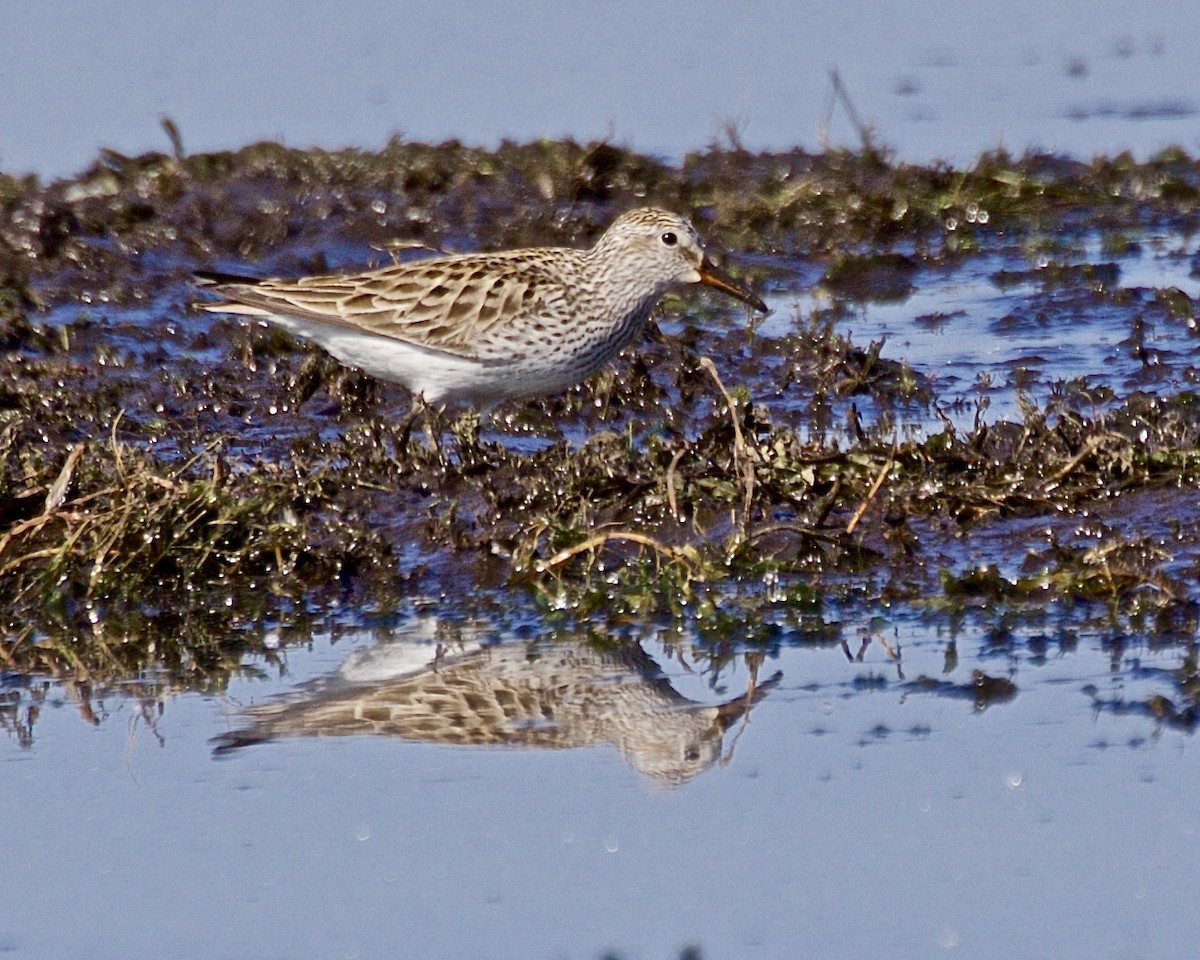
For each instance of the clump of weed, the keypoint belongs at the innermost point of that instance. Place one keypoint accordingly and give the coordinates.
(109, 528)
(168, 482)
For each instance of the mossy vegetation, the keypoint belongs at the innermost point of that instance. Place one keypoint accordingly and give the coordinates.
(171, 484)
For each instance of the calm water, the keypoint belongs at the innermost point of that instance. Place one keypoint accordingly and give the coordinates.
(853, 814)
(978, 336)
(944, 78)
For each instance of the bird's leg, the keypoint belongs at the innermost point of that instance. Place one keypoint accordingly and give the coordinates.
(435, 425)
(420, 409)
(406, 424)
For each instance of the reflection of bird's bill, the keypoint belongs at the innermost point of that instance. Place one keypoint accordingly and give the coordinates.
(713, 276)
(730, 712)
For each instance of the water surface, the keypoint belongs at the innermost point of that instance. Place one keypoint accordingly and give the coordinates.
(947, 79)
(854, 812)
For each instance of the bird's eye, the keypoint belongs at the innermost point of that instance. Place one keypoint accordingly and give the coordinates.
(669, 239)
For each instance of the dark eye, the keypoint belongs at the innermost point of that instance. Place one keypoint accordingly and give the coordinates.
(669, 239)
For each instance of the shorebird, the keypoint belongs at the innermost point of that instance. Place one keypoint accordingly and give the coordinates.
(476, 329)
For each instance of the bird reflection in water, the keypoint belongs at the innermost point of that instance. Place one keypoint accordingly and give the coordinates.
(540, 694)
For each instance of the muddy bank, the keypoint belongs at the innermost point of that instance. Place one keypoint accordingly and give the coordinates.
(172, 485)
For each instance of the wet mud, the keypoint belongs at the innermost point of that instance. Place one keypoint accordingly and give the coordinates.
(173, 486)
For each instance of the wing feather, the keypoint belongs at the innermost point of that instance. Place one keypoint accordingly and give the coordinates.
(455, 304)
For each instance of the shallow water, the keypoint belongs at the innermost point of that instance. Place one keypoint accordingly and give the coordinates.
(852, 813)
(920, 780)
(979, 336)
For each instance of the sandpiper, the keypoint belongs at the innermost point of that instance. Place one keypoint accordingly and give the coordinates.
(479, 328)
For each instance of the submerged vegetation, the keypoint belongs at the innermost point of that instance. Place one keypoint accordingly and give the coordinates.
(172, 485)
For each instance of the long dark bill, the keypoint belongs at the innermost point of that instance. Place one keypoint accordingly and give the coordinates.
(713, 276)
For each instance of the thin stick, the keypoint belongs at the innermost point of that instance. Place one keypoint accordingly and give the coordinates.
(58, 489)
(741, 460)
(600, 539)
(862, 507)
(671, 501)
(1090, 446)
(839, 94)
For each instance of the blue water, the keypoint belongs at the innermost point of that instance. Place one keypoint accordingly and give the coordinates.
(856, 814)
(978, 337)
(942, 79)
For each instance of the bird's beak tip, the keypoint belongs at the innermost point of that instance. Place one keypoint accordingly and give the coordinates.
(713, 276)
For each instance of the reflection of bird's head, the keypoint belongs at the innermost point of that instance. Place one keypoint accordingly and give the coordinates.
(686, 738)
(679, 745)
